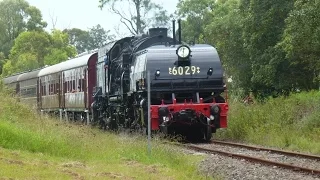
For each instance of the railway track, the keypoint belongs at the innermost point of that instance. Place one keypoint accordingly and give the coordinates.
(309, 156)
(240, 154)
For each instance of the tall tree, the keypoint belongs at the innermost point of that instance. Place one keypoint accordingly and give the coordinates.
(17, 16)
(34, 19)
(33, 49)
(197, 15)
(59, 49)
(36, 43)
(140, 15)
(99, 37)
(264, 23)
(23, 62)
(79, 39)
(301, 42)
(94, 38)
(224, 31)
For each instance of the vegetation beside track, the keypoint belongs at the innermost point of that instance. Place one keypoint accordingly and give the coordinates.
(41, 147)
(291, 123)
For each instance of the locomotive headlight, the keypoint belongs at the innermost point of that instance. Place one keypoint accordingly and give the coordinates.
(157, 73)
(183, 51)
(209, 73)
(165, 119)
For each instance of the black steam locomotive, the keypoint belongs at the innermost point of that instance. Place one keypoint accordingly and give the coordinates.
(186, 85)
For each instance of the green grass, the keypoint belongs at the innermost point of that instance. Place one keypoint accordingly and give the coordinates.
(34, 147)
(291, 123)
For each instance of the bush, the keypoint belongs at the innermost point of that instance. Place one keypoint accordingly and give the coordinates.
(287, 122)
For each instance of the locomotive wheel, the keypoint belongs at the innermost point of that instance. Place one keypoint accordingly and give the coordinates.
(134, 125)
(198, 136)
(102, 124)
(114, 122)
(192, 134)
(166, 131)
(208, 131)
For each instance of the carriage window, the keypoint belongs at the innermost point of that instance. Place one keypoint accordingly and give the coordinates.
(43, 87)
(79, 88)
(81, 85)
(73, 86)
(29, 92)
(57, 88)
(65, 87)
(68, 86)
(43, 90)
(50, 89)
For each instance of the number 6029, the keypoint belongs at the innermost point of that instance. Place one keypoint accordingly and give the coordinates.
(186, 70)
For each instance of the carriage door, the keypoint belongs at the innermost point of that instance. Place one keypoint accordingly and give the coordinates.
(84, 81)
(92, 78)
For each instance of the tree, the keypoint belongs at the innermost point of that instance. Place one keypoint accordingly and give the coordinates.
(264, 24)
(17, 16)
(197, 15)
(33, 49)
(24, 62)
(79, 39)
(224, 30)
(2, 61)
(301, 43)
(36, 43)
(145, 14)
(59, 49)
(34, 20)
(99, 37)
(94, 38)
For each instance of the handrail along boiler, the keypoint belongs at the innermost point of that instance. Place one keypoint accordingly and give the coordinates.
(186, 85)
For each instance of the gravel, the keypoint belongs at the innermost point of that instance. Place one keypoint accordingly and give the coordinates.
(298, 161)
(223, 167)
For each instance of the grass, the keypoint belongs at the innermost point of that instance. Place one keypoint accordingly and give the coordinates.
(34, 147)
(291, 123)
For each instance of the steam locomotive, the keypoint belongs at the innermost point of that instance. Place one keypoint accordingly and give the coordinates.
(109, 86)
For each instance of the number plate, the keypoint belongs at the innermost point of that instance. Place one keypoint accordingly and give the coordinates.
(186, 70)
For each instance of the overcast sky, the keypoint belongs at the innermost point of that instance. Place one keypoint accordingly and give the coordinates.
(85, 13)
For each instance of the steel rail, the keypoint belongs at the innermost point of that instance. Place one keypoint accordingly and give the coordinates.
(309, 156)
(254, 159)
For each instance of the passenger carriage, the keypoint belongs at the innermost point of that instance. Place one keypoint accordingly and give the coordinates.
(67, 87)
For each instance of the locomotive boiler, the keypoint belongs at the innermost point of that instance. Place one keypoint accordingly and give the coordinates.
(186, 85)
